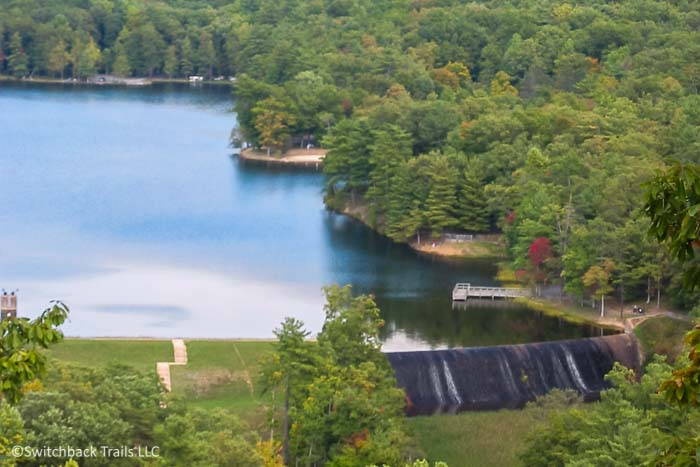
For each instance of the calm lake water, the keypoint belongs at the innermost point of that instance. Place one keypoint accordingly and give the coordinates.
(127, 205)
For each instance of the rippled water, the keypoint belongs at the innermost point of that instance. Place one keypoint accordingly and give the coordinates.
(127, 205)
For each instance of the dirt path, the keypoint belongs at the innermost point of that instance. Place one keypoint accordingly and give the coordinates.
(633, 322)
(163, 368)
(246, 373)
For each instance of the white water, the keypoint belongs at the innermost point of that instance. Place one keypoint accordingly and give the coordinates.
(451, 386)
(574, 371)
(437, 388)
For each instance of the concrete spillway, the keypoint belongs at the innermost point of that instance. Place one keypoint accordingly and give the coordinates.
(483, 378)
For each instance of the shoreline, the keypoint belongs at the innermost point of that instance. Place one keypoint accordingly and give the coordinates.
(444, 251)
(155, 80)
(294, 157)
(572, 314)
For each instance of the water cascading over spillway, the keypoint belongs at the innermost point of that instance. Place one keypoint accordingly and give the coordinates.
(507, 376)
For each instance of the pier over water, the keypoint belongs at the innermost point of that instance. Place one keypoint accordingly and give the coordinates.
(463, 291)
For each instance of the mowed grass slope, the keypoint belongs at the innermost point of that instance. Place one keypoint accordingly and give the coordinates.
(221, 374)
(218, 373)
(142, 354)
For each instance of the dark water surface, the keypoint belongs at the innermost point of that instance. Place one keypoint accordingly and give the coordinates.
(127, 205)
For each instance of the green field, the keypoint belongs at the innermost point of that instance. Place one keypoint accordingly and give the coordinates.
(474, 438)
(221, 374)
(218, 373)
(140, 353)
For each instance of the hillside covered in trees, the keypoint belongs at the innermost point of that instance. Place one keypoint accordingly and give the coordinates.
(538, 119)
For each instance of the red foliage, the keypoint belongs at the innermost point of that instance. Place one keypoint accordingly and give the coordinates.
(510, 217)
(520, 275)
(347, 107)
(540, 250)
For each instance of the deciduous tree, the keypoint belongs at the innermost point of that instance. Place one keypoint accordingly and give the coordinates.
(21, 344)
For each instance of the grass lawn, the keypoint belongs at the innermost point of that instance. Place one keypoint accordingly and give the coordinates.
(218, 373)
(222, 374)
(573, 313)
(663, 336)
(474, 438)
(140, 353)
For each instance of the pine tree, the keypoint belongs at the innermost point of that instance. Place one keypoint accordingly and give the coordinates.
(17, 61)
(439, 207)
(471, 199)
(401, 201)
(391, 147)
(347, 162)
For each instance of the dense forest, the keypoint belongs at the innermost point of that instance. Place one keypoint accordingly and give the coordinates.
(538, 119)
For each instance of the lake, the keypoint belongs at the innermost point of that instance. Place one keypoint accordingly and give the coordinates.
(126, 204)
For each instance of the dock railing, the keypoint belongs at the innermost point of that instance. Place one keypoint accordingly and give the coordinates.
(464, 291)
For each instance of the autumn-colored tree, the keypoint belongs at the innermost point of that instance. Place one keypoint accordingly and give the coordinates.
(272, 120)
(598, 278)
(540, 251)
(501, 86)
(58, 58)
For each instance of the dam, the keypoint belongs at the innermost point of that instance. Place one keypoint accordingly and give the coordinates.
(507, 376)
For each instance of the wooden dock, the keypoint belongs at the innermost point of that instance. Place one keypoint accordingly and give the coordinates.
(463, 291)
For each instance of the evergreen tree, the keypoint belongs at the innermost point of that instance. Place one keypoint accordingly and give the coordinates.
(405, 214)
(391, 147)
(289, 370)
(151, 46)
(347, 163)
(17, 60)
(401, 198)
(439, 207)
(471, 199)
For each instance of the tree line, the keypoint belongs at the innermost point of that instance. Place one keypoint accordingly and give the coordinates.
(75, 38)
